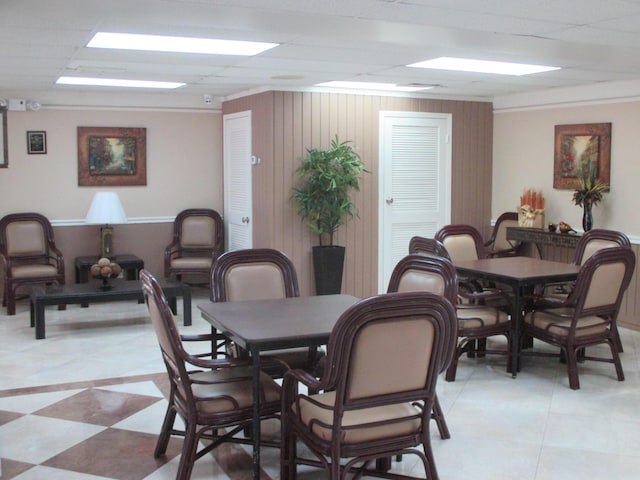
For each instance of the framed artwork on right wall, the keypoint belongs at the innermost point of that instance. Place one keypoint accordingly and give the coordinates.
(578, 149)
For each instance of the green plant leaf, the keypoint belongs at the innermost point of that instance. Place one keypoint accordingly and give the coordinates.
(328, 178)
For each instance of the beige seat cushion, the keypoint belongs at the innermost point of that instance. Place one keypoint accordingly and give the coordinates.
(313, 413)
(29, 271)
(559, 326)
(191, 262)
(480, 317)
(216, 398)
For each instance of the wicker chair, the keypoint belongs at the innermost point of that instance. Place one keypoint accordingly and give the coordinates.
(198, 239)
(589, 243)
(464, 242)
(428, 246)
(420, 273)
(214, 397)
(498, 245)
(28, 255)
(373, 406)
(587, 316)
(262, 274)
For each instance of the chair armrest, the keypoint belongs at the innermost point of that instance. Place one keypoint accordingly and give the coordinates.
(56, 254)
(169, 251)
(215, 363)
(305, 378)
(200, 337)
(544, 302)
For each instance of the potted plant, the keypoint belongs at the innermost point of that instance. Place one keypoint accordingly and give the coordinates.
(324, 202)
(589, 193)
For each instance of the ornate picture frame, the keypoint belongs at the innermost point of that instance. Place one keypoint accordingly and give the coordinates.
(4, 149)
(112, 156)
(577, 147)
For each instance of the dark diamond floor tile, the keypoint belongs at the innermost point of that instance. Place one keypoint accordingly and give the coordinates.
(10, 468)
(98, 407)
(6, 417)
(114, 453)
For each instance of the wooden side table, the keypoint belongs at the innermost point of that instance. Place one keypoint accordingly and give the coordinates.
(540, 236)
(130, 264)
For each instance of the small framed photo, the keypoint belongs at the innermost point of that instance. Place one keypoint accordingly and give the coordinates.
(36, 142)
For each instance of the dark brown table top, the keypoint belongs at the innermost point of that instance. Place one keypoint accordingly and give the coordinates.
(518, 271)
(274, 324)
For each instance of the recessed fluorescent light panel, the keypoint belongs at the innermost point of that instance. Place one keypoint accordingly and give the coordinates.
(482, 66)
(161, 43)
(373, 86)
(116, 82)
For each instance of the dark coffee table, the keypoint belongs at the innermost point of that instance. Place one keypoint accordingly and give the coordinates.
(83, 293)
(130, 264)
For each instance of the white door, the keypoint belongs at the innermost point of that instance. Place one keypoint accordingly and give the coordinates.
(414, 185)
(237, 180)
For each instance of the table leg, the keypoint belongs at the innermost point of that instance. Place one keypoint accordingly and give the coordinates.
(186, 306)
(39, 313)
(515, 330)
(173, 304)
(255, 354)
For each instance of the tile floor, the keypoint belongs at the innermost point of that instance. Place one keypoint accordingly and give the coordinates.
(87, 401)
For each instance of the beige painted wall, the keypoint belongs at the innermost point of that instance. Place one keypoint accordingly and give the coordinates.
(523, 158)
(184, 163)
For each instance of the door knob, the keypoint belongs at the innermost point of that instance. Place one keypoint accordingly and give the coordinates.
(245, 219)
(389, 200)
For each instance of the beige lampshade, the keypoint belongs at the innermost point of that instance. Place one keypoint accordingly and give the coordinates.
(106, 209)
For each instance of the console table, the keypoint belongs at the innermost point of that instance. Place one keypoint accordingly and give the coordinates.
(130, 264)
(82, 293)
(540, 236)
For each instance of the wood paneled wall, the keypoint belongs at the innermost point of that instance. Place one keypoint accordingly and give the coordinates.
(285, 124)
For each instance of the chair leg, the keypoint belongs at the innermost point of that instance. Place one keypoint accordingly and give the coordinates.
(165, 432)
(616, 338)
(481, 347)
(572, 368)
(431, 472)
(287, 451)
(438, 415)
(450, 375)
(616, 360)
(188, 456)
(11, 302)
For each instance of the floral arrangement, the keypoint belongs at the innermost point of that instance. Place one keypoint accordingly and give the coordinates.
(531, 209)
(591, 190)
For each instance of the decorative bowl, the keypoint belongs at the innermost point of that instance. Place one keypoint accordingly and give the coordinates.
(105, 269)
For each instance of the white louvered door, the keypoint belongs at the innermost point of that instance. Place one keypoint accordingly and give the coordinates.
(237, 181)
(415, 182)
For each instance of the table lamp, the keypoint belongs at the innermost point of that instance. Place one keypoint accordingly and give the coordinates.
(106, 209)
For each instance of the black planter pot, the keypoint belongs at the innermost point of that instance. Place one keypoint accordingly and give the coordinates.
(328, 262)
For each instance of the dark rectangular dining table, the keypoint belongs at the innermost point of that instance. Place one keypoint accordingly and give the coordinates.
(522, 274)
(262, 325)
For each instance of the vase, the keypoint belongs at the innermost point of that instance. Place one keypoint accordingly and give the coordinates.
(587, 217)
(328, 264)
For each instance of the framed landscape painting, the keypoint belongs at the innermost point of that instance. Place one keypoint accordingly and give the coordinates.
(577, 149)
(112, 156)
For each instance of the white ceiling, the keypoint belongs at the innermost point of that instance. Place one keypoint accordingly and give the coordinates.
(594, 41)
